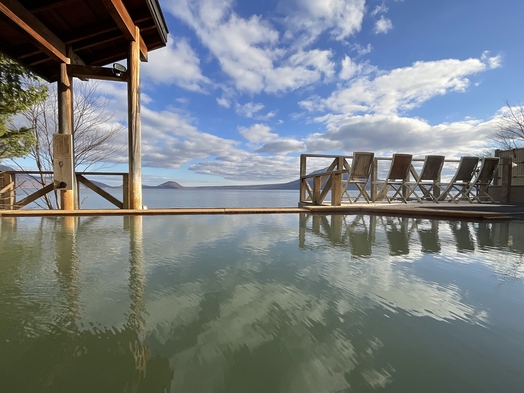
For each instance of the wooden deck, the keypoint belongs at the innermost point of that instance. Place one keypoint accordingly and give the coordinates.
(460, 211)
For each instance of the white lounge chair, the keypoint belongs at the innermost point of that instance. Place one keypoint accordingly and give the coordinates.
(427, 183)
(359, 175)
(459, 185)
(396, 178)
(478, 190)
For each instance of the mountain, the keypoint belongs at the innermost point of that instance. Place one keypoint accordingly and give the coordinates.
(167, 185)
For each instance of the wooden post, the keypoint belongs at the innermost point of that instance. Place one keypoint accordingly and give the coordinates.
(7, 190)
(303, 159)
(317, 184)
(336, 189)
(374, 179)
(134, 131)
(125, 190)
(505, 186)
(65, 126)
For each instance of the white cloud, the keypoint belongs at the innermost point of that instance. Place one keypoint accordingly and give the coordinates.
(393, 133)
(248, 109)
(401, 89)
(341, 18)
(383, 25)
(362, 50)
(272, 143)
(175, 64)
(349, 69)
(223, 102)
(248, 50)
(258, 133)
(379, 9)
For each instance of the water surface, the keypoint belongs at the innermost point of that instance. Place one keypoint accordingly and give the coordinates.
(273, 303)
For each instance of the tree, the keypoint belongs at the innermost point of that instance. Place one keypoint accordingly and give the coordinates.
(95, 132)
(18, 91)
(510, 127)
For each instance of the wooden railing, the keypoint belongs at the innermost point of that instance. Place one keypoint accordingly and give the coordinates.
(315, 186)
(8, 188)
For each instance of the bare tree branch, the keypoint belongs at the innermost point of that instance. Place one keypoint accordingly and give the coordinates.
(510, 128)
(96, 134)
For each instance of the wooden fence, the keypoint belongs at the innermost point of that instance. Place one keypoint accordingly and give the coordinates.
(8, 187)
(317, 185)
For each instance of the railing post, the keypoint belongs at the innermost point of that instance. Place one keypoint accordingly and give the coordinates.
(505, 186)
(7, 185)
(317, 184)
(303, 159)
(125, 190)
(336, 189)
(374, 179)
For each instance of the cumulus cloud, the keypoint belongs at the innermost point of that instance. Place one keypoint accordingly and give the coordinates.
(248, 50)
(379, 9)
(383, 25)
(248, 109)
(258, 133)
(392, 133)
(176, 64)
(400, 89)
(341, 18)
(272, 143)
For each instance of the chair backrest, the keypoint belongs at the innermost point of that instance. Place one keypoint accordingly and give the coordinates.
(488, 167)
(400, 166)
(432, 168)
(466, 169)
(361, 165)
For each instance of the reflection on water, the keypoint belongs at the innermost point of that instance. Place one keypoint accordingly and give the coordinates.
(261, 304)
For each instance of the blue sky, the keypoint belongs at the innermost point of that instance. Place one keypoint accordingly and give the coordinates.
(244, 87)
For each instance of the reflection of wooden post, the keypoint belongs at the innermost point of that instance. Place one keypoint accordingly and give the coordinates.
(65, 126)
(136, 321)
(336, 227)
(302, 222)
(134, 131)
(67, 269)
(372, 228)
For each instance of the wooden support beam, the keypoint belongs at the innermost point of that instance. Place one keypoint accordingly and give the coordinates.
(34, 196)
(121, 16)
(134, 127)
(37, 32)
(65, 126)
(94, 72)
(100, 191)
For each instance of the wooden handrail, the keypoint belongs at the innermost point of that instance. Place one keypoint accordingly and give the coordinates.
(7, 188)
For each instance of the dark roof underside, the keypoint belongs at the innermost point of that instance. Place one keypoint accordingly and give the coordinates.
(86, 26)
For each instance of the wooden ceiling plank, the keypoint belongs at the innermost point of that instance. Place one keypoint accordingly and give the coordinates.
(143, 50)
(34, 29)
(119, 12)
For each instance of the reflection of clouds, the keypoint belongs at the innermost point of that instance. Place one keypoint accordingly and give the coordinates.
(309, 304)
(255, 315)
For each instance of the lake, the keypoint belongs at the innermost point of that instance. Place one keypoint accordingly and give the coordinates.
(260, 303)
(187, 198)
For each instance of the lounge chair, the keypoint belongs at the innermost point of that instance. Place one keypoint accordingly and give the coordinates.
(359, 175)
(397, 177)
(427, 182)
(478, 190)
(461, 181)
